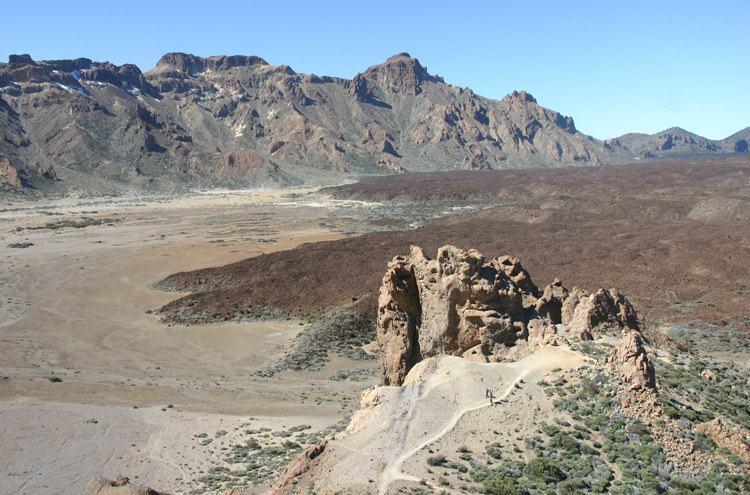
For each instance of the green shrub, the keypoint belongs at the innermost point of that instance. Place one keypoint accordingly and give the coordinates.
(682, 485)
(436, 460)
(545, 470)
(565, 442)
(501, 484)
(494, 451)
(551, 430)
(672, 412)
(574, 486)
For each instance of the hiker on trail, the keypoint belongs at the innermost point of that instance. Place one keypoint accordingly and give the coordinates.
(486, 393)
(491, 397)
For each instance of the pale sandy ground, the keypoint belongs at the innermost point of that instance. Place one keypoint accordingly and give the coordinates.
(74, 306)
(441, 408)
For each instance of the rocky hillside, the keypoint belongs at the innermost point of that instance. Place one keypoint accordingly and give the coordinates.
(677, 141)
(77, 126)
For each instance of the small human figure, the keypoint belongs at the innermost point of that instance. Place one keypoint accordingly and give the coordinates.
(486, 393)
(491, 398)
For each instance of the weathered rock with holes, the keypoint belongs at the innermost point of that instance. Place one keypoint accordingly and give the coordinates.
(461, 304)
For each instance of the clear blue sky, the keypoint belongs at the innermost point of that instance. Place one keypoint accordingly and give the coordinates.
(614, 67)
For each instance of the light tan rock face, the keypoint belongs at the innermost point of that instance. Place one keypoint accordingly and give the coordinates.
(633, 366)
(461, 304)
(399, 315)
(606, 311)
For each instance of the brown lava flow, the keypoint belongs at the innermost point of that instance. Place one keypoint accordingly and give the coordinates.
(673, 236)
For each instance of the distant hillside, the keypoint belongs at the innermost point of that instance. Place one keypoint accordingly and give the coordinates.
(677, 141)
(80, 127)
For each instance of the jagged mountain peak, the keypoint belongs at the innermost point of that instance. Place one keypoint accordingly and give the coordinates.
(401, 73)
(523, 96)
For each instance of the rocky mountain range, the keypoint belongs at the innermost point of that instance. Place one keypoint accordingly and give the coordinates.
(78, 126)
(238, 121)
(677, 141)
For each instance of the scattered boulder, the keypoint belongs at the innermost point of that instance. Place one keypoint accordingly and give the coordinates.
(709, 375)
(487, 311)
(118, 486)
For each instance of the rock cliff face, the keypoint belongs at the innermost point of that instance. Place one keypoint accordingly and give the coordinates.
(177, 121)
(490, 311)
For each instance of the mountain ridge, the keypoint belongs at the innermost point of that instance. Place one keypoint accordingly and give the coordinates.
(100, 129)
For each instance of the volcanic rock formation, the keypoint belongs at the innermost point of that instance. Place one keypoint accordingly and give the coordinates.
(177, 121)
(489, 311)
(633, 366)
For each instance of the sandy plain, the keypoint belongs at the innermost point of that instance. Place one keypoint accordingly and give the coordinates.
(133, 393)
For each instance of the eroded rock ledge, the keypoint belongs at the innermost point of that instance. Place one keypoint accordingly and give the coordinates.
(490, 311)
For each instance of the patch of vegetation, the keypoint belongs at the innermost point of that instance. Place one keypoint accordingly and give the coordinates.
(20, 245)
(84, 222)
(258, 456)
(337, 331)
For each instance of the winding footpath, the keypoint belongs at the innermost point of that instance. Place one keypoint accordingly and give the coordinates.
(394, 472)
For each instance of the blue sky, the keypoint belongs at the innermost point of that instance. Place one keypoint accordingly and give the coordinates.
(615, 67)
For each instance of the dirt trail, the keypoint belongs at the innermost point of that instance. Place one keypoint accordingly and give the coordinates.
(394, 471)
(441, 410)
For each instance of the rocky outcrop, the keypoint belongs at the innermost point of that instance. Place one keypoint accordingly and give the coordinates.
(725, 436)
(9, 173)
(676, 141)
(461, 304)
(118, 486)
(606, 311)
(632, 364)
(190, 64)
(300, 465)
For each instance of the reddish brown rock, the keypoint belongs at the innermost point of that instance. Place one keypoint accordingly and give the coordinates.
(606, 311)
(550, 303)
(632, 364)
(399, 315)
(299, 466)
